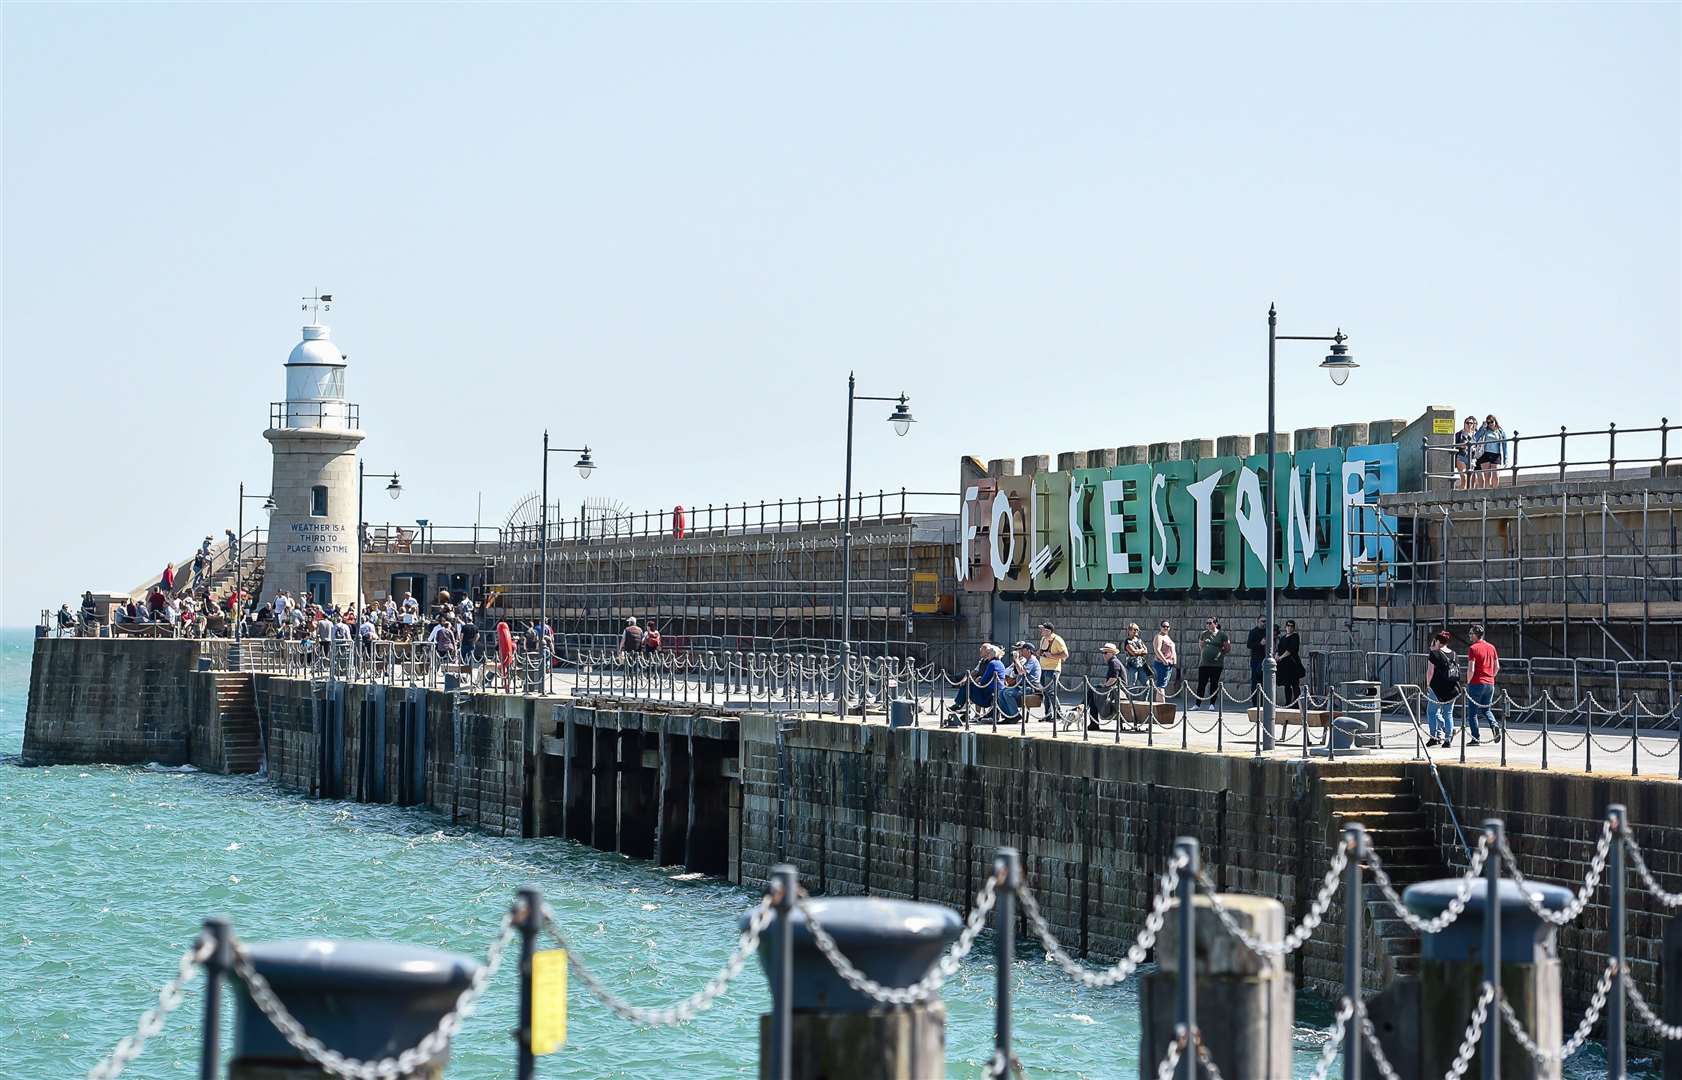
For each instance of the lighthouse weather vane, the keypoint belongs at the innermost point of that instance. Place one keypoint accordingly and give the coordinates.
(316, 304)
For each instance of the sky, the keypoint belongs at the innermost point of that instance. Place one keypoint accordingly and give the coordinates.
(670, 231)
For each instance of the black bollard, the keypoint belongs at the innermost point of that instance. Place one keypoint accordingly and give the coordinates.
(839, 1032)
(216, 967)
(364, 999)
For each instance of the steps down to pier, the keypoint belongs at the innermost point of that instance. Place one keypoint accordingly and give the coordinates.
(236, 712)
(1399, 831)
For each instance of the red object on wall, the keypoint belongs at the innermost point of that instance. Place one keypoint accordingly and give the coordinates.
(504, 646)
(677, 521)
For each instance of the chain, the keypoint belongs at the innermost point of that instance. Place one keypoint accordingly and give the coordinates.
(152, 1020)
(997, 1066)
(1304, 930)
(1206, 1059)
(1136, 952)
(1575, 907)
(1462, 1059)
(1462, 893)
(1668, 899)
(1170, 1062)
(1555, 1057)
(1334, 1039)
(431, 1044)
(691, 1006)
(1668, 1032)
(943, 969)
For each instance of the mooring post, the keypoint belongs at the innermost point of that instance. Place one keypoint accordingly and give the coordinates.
(1354, 905)
(530, 922)
(785, 884)
(1492, 1025)
(1186, 1013)
(215, 967)
(1007, 869)
(1615, 1057)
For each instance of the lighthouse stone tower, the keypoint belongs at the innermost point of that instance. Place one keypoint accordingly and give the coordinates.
(311, 550)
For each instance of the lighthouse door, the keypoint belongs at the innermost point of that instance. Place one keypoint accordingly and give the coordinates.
(319, 584)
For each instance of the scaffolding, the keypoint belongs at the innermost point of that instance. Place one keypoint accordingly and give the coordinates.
(751, 576)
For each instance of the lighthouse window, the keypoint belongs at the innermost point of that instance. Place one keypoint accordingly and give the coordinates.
(318, 501)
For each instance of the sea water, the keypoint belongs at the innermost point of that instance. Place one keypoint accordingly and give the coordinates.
(106, 874)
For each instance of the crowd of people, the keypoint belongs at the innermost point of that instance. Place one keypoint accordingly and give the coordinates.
(1139, 667)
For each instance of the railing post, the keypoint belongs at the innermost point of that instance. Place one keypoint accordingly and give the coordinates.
(1492, 950)
(215, 967)
(1186, 1012)
(1007, 867)
(1612, 468)
(785, 884)
(1562, 459)
(1615, 1057)
(1354, 909)
(531, 921)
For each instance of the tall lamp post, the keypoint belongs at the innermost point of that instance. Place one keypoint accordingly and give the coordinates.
(239, 553)
(585, 466)
(394, 489)
(902, 420)
(1338, 364)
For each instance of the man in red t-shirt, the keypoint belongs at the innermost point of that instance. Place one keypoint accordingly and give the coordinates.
(1480, 686)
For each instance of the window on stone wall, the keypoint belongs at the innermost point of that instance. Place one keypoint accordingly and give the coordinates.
(318, 501)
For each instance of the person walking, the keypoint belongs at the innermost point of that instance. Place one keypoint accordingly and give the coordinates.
(1256, 642)
(1165, 658)
(1216, 643)
(1480, 685)
(1053, 651)
(1442, 686)
(1290, 668)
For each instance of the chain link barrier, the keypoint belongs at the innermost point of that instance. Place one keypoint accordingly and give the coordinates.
(1136, 952)
(942, 969)
(691, 1006)
(997, 1067)
(1462, 1058)
(1573, 909)
(1463, 892)
(1334, 1040)
(152, 1020)
(1548, 1058)
(1304, 930)
(1668, 1032)
(1668, 899)
(1170, 1062)
(430, 1045)
(1205, 1059)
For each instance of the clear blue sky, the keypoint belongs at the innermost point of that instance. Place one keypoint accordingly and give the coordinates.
(670, 231)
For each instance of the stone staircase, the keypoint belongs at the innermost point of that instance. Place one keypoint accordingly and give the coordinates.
(1399, 831)
(236, 711)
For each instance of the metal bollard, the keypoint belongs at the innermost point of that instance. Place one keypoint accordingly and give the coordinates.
(1516, 946)
(834, 1030)
(364, 999)
(1615, 1057)
(530, 923)
(1494, 829)
(785, 884)
(1007, 866)
(1250, 997)
(215, 970)
(1354, 910)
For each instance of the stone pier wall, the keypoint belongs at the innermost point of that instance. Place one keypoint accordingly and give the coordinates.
(120, 701)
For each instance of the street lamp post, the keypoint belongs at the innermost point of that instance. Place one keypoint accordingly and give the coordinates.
(239, 553)
(1338, 364)
(902, 420)
(585, 466)
(394, 489)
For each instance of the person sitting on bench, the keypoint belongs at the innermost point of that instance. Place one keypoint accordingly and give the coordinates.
(1024, 679)
(1101, 701)
(983, 682)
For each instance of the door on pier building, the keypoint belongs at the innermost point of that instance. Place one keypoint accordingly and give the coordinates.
(319, 585)
(1007, 621)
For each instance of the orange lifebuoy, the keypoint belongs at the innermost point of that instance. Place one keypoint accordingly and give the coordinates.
(677, 521)
(505, 645)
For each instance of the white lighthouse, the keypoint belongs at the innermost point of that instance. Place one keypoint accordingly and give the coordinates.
(312, 542)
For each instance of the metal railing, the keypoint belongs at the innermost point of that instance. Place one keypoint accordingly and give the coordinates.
(1566, 455)
(331, 415)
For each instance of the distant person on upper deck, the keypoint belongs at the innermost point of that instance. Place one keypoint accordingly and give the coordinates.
(1491, 446)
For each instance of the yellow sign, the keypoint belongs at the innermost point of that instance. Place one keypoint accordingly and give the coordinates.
(548, 1000)
(1442, 425)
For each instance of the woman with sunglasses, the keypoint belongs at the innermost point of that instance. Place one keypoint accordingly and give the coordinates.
(1463, 442)
(1492, 451)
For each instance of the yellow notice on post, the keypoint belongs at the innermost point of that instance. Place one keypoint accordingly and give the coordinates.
(548, 1000)
(1442, 425)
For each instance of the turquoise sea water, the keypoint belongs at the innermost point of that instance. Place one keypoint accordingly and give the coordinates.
(105, 874)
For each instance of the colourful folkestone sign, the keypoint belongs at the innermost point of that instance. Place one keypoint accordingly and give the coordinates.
(1179, 525)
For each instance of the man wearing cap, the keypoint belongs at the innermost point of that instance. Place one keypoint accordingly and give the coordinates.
(1053, 651)
(1024, 679)
(1100, 701)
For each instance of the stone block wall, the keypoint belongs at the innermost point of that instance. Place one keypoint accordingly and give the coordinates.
(121, 701)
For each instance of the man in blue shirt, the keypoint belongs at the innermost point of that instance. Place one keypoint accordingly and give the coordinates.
(1026, 680)
(985, 680)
